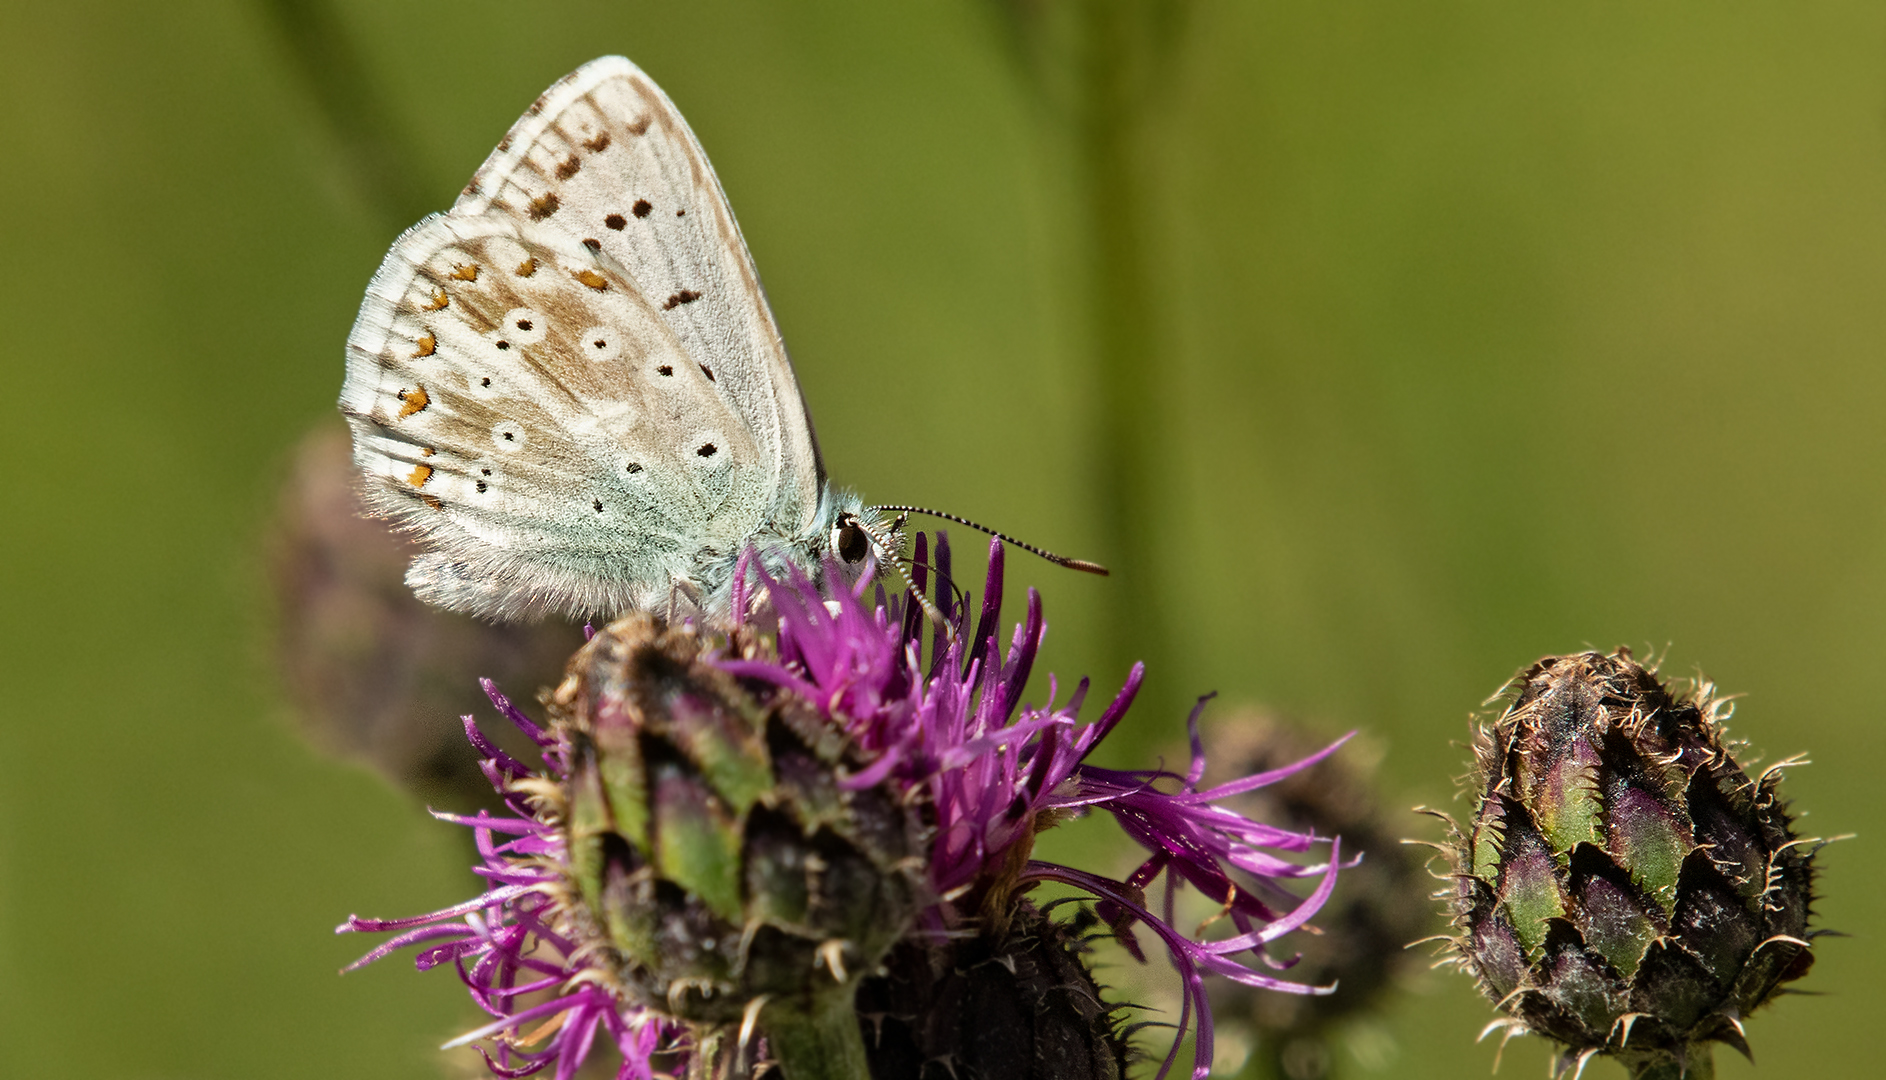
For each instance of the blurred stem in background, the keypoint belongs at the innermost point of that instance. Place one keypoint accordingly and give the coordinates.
(1097, 69)
(375, 154)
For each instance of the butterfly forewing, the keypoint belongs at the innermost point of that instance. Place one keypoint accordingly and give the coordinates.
(606, 158)
(518, 402)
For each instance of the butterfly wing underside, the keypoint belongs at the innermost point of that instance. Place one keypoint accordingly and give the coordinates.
(570, 386)
(605, 156)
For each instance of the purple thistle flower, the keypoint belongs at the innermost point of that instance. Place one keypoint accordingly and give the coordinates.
(952, 736)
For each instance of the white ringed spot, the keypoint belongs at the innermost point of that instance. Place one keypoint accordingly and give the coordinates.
(600, 343)
(520, 326)
(508, 436)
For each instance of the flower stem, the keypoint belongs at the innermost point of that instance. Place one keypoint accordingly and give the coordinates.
(1698, 1066)
(819, 1042)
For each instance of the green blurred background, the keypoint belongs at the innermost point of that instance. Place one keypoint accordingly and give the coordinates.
(1478, 331)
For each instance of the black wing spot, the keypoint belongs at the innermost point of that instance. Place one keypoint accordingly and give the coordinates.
(594, 245)
(599, 344)
(685, 296)
(634, 467)
(481, 487)
(709, 372)
(597, 504)
(487, 472)
(502, 345)
(523, 324)
(708, 450)
(484, 382)
(616, 222)
(665, 370)
(681, 213)
(641, 208)
(510, 436)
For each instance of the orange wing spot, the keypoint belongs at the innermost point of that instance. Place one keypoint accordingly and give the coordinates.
(592, 279)
(438, 301)
(468, 272)
(526, 268)
(544, 205)
(415, 400)
(419, 475)
(426, 346)
(432, 501)
(426, 451)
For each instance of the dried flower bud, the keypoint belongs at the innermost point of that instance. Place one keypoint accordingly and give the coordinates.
(1624, 887)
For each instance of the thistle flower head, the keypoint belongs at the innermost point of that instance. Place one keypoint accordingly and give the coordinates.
(1624, 887)
(736, 831)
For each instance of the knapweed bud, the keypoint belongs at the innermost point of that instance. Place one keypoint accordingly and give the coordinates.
(723, 871)
(1624, 887)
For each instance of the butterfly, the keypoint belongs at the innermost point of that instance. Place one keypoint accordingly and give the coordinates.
(569, 386)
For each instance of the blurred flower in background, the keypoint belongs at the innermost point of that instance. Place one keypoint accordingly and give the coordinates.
(1377, 909)
(734, 834)
(373, 674)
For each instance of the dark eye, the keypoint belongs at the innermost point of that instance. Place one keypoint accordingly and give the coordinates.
(850, 542)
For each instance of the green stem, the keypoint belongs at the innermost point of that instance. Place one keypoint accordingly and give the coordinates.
(320, 47)
(819, 1042)
(1124, 453)
(1700, 1066)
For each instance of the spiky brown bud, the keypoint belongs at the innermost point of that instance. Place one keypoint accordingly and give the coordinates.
(1624, 887)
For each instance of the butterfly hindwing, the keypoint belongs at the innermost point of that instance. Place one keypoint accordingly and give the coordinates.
(519, 403)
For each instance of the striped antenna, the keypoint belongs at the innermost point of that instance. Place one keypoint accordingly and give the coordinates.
(1058, 560)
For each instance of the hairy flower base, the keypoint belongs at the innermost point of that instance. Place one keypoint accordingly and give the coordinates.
(947, 734)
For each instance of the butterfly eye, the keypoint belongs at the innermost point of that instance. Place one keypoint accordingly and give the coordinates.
(850, 542)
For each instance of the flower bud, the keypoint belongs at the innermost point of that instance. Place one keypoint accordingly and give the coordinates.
(1624, 887)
